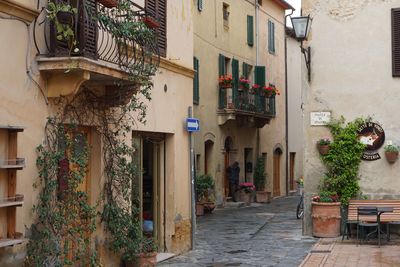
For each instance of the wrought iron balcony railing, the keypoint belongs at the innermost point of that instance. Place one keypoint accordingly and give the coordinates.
(243, 102)
(111, 35)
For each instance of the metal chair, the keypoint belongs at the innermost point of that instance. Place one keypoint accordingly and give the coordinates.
(368, 217)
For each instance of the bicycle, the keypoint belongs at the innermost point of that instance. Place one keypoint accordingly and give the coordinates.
(300, 207)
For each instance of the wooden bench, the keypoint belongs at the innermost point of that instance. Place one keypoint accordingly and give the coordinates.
(387, 217)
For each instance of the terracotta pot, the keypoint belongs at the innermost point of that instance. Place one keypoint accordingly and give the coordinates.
(323, 149)
(208, 207)
(245, 197)
(143, 260)
(108, 3)
(150, 22)
(199, 209)
(326, 219)
(263, 197)
(391, 156)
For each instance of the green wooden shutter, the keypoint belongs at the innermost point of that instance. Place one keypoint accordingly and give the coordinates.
(259, 78)
(250, 30)
(273, 37)
(235, 77)
(221, 71)
(199, 5)
(245, 70)
(196, 93)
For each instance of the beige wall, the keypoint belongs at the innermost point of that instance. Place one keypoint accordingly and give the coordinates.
(351, 76)
(22, 103)
(273, 135)
(211, 38)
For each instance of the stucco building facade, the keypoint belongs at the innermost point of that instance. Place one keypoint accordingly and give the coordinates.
(351, 75)
(242, 39)
(31, 81)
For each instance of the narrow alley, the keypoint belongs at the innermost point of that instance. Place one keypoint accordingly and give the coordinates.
(259, 235)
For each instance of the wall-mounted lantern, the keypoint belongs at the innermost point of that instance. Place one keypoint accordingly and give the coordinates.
(302, 26)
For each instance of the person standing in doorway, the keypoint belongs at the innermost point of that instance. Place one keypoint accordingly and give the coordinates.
(233, 174)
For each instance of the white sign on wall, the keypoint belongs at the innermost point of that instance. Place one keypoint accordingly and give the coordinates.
(320, 118)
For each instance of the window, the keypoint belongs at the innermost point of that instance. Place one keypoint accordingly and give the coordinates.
(200, 5)
(158, 10)
(396, 42)
(246, 70)
(227, 65)
(196, 93)
(225, 14)
(250, 30)
(271, 37)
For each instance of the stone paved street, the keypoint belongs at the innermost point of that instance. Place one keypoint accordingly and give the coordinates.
(260, 235)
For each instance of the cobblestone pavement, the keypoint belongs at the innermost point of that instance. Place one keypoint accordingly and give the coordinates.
(260, 235)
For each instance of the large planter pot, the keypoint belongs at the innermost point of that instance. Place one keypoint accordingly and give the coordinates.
(199, 209)
(208, 207)
(391, 156)
(323, 149)
(263, 197)
(143, 260)
(245, 197)
(326, 219)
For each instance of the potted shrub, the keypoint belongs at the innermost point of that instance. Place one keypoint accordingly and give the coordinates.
(260, 176)
(326, 216)
(323, 146)
(146, 256)
(204, 194)
(246, 191)
(391, 153)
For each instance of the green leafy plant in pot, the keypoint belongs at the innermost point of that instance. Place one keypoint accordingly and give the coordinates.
(204, 186)
(62, 16)
(260, 177)
(391, 153)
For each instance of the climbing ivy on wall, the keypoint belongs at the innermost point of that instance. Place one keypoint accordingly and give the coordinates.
(343, 160)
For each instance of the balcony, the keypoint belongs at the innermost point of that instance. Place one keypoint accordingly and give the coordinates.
(102, 52)
(248, 110)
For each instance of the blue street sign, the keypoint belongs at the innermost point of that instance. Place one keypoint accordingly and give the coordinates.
(192, 125)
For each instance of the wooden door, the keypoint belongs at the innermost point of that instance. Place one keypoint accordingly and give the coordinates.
(291, 172)
(277, 174)
(226, 178)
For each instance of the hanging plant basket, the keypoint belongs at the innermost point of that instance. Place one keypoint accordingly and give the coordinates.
(109, 3)
(150, 22)
(323, 149)
(392, 156)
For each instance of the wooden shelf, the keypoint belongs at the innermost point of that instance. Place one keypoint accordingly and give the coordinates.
(10, 242)
(12, 128)
(18, 163)
(6, 203)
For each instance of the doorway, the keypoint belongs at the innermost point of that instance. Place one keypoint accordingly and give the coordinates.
(149, 157)
(248, 164)
(291, 170)
(208, 147)
(227, 147)
(277, 172)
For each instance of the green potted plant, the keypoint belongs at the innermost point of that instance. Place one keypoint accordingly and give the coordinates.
(391, 153)
(62, 16)
(204, 194)
(259, 177)
(323, 146)
(326, 214)
(247, 190)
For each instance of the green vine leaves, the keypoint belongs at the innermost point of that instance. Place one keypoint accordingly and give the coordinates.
(343, 159)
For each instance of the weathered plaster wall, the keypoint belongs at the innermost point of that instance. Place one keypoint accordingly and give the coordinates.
(273, 134)
(351, 76)
(295, 112)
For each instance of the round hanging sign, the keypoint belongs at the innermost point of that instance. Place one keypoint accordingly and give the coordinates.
(372, 135)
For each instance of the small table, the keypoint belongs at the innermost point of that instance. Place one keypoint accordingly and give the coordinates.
(382, 210)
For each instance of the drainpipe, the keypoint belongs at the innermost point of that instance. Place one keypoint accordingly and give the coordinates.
(257, 9)
(286, 110)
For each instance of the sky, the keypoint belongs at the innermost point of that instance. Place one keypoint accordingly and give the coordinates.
(297, 5)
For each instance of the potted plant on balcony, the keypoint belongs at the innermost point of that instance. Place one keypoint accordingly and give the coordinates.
(270, 91)
(225, 83)
(391, 153)
(244, 84)
(323, 146)
(62, 16)
(262, 196)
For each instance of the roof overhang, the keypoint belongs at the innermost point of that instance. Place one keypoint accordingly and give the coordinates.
(284, 4)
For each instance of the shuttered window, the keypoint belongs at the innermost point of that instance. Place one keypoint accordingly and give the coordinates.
(199, 5)
(250, 30)
(235, 76)
(259, 75)
(221, 65)
(158, 10)
(196, 92)
(396, 42)
(271, 37)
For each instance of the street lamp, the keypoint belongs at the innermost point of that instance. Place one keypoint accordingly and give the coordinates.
(301, 26)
